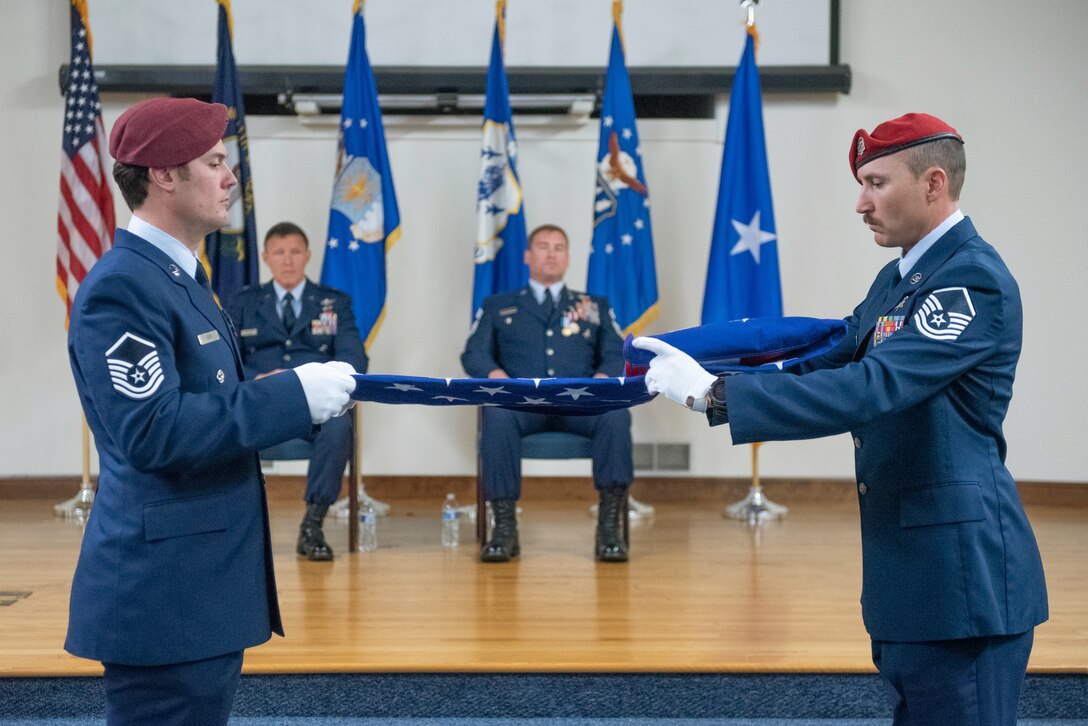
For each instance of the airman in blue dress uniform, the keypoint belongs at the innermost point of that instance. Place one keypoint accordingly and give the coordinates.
(316, 324)
(953, 582)
(546, 330)
(175, 574)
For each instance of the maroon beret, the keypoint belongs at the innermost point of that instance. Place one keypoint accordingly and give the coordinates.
(167, 131)
(895, 135)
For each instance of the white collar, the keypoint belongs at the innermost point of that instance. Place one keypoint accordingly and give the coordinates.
(170, 246)
(916, 252)
(296, 291)
(538, 289)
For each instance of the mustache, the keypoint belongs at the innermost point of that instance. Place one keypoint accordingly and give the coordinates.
(866, 219)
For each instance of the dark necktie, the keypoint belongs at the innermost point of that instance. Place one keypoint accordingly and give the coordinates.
(289, 312)
(202, 277)
(548, 306)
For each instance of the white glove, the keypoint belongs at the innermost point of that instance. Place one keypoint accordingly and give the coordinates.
(676, 374)
(328, 388)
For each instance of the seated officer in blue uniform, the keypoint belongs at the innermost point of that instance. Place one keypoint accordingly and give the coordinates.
(288, 322)
(953, 583)
(546, 330)
(175, 573)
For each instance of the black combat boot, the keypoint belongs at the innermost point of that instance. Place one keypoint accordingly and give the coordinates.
(504, 537)
(610, 528)
(311, 539)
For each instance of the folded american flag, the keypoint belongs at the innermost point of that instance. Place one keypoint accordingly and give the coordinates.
(733, 347)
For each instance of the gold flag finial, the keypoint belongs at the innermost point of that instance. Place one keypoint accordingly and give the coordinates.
(617, 16)
(81, 8)
(500, 18)
(230, 17)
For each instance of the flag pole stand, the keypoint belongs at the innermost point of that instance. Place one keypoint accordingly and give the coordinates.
(342, 508)
(755, 508)
(79, 506)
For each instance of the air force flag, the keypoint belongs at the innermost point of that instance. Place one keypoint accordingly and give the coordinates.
(621, 259)
(500, 213)
(364, 221)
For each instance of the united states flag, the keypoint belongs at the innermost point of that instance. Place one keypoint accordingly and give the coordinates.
(85, 221)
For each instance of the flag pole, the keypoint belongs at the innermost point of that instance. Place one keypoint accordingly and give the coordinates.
(79, 506)
(755, 508)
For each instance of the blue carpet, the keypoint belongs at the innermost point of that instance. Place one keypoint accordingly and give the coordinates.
(541, 699)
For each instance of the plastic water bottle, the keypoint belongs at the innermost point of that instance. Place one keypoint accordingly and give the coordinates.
(368, 529)
(451, 534)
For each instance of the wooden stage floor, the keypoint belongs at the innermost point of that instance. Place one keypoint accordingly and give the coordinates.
(701, 594)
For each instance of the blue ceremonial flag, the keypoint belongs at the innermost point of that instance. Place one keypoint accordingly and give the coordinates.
(230, 253)
(742, 276)
(621, 258)
(500, 212)
(364, 222)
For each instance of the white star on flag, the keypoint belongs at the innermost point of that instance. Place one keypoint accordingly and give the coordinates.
(626, 239)
(333, 242)
(576, 393)
(751, 237)
(608, 121)
(626, 133)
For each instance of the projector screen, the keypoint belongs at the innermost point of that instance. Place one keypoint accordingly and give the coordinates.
(457, 33)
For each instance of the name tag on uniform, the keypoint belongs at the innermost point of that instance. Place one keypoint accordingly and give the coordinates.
(210, 337)
(508, 311)
(247, 332)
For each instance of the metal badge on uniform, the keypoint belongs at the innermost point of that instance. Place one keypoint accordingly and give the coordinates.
(916, 278)
(210, 337)
(220, 376)
(134, 367)
(885, 326)
(174, 270)
(247, 332)
(508, 311)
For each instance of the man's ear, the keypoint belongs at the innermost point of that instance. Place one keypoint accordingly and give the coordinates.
(936, 183)
(166, 178)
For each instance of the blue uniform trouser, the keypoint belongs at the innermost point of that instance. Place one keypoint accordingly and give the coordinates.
(332, 447)
(500, 448)
(198, 693)
(968, 682)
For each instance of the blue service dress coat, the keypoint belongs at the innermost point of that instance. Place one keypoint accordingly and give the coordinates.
(579, 340)
(325, 330)
(176, 562)
(922, 380)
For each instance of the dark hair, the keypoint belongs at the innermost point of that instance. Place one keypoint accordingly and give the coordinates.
(946, 154)
(133, 182)
(282, 229)
(548, 228)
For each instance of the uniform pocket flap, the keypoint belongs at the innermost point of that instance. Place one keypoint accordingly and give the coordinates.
(181, 517)
(944, 504)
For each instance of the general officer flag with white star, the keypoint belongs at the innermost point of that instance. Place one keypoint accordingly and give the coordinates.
(364, 222)
(742, 276)
(621, 258)
(500, 208)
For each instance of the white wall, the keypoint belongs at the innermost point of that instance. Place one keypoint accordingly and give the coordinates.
(1011, 79)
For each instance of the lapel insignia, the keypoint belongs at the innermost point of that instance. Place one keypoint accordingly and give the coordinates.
(174, 270)
(134, 367)
(916, 278)
(220, 376)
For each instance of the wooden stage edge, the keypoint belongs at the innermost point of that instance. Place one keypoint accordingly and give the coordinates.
(655, 488)
(701, 594)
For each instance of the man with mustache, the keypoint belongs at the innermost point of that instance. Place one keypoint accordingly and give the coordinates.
(953, 583)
